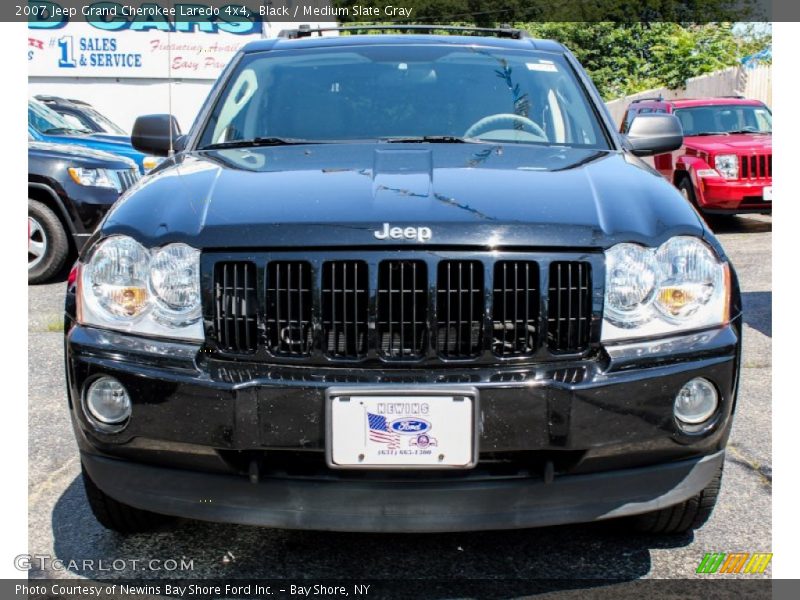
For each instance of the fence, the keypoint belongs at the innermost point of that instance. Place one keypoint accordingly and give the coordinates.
(753, 83)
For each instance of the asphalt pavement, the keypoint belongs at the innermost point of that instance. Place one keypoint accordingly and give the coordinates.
(62, 527)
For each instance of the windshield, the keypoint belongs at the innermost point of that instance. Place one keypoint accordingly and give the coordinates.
(45, 120)
(404, 93)
(728, 118)
(103, 122)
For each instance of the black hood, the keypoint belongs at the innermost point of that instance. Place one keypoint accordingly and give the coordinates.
(338, 195)
(78, 155)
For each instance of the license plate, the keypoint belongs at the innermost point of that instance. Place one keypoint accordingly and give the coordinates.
(401, 430)
(767, 193)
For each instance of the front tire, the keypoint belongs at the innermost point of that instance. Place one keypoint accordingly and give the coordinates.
(687, 516)
(48, 246)
(686, 188)
(117, 516)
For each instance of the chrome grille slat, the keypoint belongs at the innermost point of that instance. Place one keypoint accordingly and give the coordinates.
(289, 324)
(235, 312)
(515, 303)
(459, 334)
(402, 308)
(345, 294)
(569, 297)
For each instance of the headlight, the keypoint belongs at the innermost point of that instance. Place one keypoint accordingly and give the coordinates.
(175, 283)
(727, 165)
(681, 285)
(630, 285)
(116, 279)
(126, 287)
(94, 177)
(151, 162)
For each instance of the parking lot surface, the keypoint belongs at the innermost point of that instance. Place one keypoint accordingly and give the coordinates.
(62, 527)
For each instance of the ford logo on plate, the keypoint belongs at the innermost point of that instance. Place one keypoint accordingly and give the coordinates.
(412, 426)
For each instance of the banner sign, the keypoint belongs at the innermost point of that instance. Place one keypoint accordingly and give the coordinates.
(83, 50)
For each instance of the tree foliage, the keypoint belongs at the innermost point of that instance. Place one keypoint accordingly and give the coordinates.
(628, 58)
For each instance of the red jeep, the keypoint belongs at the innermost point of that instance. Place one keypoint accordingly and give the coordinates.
(725, 164)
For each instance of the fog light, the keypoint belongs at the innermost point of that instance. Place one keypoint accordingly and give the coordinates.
(107, 402)
(696, 402)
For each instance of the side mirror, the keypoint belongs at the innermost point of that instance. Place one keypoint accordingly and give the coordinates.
(152, 134)
(654, 134)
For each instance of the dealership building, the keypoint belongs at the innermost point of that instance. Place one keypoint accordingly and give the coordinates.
(125, 69)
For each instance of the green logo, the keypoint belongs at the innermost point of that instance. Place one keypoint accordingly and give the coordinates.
(736, 562)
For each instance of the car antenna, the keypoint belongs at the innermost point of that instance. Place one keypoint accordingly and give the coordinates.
(171, 151)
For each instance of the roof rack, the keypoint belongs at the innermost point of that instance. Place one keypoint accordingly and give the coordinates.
(505, 31)
(658, 98)
(737, 96)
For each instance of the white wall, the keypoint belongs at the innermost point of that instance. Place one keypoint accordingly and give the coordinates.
(122, 100)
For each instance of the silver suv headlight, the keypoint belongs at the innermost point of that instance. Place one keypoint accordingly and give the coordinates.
(104, 178)
(125, 286)
(679, 286)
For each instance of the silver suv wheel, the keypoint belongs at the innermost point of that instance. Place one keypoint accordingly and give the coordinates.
(37, 243)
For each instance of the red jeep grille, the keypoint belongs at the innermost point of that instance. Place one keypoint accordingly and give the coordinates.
(757, 166)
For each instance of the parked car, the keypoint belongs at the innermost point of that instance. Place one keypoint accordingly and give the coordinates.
(436, 291)
(82, 115)
(46, 125)
(725, 164)
(70, 188)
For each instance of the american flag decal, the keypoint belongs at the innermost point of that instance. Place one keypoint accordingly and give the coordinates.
(379, 431)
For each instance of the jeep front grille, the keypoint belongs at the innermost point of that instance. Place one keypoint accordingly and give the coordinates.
(420, 307)
(758, 166)
(126, 178)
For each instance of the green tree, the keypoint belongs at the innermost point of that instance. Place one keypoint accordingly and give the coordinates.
(628, 58)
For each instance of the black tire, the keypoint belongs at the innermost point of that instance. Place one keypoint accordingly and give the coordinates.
(117, 516)
(53, 246)
(681, 518)
(686, 188)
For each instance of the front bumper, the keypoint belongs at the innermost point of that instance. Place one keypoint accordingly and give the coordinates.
(415, 506)
(720, 196)
(558, 443)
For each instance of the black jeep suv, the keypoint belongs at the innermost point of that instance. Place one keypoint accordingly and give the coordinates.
(403, 283)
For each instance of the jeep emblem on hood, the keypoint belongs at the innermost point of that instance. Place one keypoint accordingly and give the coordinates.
(421, 234)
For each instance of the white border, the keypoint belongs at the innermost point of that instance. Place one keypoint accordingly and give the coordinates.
(14, 354)
(785, 401)
(786, 91)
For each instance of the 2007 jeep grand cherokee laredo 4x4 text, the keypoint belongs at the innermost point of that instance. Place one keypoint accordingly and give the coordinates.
(403, 283)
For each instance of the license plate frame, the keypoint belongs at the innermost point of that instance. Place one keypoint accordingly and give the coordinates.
(468, 394)
(766, 193)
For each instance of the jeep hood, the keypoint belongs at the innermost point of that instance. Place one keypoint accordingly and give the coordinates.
(338, 195)
(731, 144)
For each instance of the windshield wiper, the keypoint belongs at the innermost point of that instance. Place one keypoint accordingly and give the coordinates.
(69, 130)
(259, 141)
(711, 133)
(431, 139)
(751, 131)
